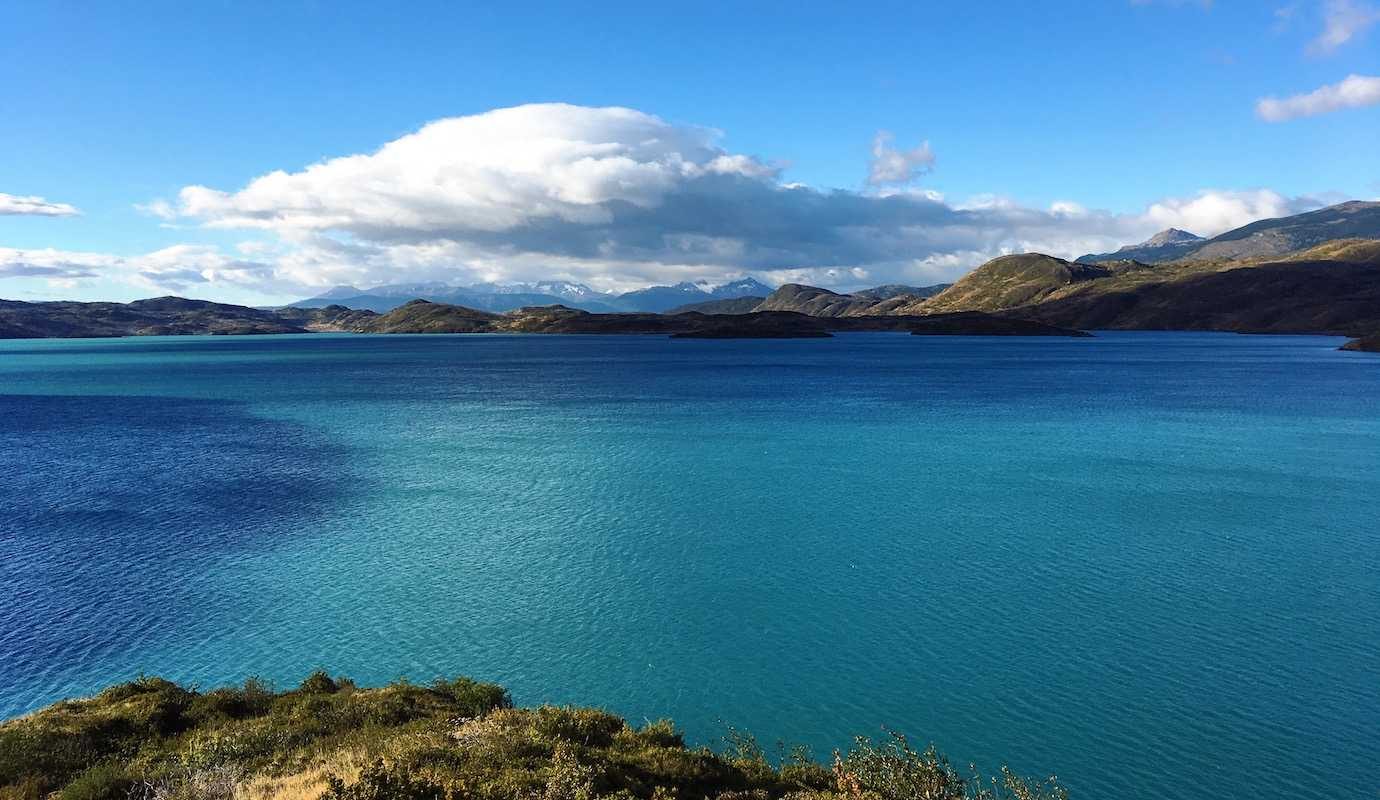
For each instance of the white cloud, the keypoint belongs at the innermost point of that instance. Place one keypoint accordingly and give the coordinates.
(172, 268)
(903, 238)
(494, 172)
(33, 205)
(161, 209)
(611, 197)
(1356, 91)
(892, 166)
(1343, 21)
(1212, 212)
(1284, 17)
(53, 264)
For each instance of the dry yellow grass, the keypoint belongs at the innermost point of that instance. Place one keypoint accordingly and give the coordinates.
(308, 784)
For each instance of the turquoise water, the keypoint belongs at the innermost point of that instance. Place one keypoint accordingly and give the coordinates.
(1144, 562)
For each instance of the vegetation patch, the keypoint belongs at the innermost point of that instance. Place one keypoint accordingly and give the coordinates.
(151, 739)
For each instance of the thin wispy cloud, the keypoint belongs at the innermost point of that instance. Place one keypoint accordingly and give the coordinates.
(170, 268)
(1343, 21)
(1284, 17)
(33, 205)
(1356, 91)
(891, 166)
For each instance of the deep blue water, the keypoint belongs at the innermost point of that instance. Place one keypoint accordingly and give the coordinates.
(1149, 563)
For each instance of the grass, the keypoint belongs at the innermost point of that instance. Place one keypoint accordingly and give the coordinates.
(328, 739)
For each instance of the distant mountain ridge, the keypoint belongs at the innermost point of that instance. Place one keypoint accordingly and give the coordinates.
(1356, 219)
(1232, 282)
(817, 302)
(499, 297)
(1170, 236)
(158, 316)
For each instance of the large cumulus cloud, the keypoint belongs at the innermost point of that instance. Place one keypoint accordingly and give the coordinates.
(618, 198)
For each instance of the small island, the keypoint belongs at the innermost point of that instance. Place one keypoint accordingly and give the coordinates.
(449, 740)
(1365, 344)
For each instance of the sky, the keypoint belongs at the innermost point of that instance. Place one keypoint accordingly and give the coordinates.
(262, 152)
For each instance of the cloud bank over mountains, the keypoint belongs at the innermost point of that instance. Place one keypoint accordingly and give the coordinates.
(615, 198)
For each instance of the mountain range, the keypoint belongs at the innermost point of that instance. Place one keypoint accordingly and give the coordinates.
(507, 297)
(1246, 280)
(1317, 272)
(1265, 238)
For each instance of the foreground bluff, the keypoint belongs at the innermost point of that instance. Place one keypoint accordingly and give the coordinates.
(1333, 288)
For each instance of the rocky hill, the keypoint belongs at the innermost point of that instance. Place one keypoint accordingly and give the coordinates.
(1332, 288)
(819, 302)
(1009, 282)
(1166, 245)
(157, 316)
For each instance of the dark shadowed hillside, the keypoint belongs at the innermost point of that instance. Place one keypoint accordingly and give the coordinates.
(1301, 297)
(737, 305)
(157, 316)
(422, 316)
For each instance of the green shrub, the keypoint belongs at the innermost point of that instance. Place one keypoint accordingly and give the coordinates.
(472, 698)
(253, 699)
(585, 726)
(104, 781)
(801, 771)
(318, 683)
(894, 771)
(661, 733)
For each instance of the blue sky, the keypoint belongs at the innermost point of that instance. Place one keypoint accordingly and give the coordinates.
(1112, 106)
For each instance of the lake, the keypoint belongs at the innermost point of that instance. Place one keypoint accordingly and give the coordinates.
(1148, 563)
